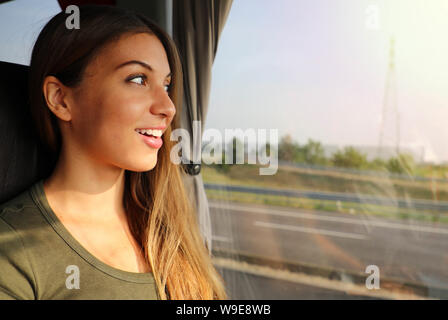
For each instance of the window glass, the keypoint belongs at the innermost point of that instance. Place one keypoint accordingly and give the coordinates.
(20, 24)
(357, 208)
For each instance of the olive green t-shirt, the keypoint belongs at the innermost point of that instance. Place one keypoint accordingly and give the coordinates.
(40, 259)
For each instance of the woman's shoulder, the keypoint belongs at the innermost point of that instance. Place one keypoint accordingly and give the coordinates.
(18, 201)
(16, 276)
(20, 219)
(20, 211)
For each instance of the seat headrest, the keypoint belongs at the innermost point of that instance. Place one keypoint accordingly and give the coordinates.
(22, 160)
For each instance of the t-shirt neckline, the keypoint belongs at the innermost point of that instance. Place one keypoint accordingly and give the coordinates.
(39, 197)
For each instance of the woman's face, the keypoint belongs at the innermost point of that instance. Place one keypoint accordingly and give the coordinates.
(123, 89)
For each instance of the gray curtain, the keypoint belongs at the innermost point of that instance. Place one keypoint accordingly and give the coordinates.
(197, 25)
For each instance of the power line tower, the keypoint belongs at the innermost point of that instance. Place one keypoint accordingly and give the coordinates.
(390, 118)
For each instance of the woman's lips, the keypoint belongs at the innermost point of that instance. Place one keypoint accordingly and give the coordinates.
(153, 142)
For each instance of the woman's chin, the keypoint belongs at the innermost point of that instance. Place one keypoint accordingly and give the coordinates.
(150, 167)
(143, 167)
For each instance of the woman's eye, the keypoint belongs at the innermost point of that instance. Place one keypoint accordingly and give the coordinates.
(167, 87)
(138, 79)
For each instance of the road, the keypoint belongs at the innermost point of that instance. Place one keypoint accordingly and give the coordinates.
(244, 286)
(402, 250)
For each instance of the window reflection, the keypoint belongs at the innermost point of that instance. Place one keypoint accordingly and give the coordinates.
(361, 189)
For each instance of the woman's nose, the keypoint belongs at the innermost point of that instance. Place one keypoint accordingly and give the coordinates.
(163, 105)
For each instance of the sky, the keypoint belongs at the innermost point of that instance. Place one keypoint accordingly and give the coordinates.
(311, 68)
(317, 69)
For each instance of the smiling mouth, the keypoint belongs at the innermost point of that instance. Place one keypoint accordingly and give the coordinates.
(146, 134)
(151, 140)
(156, 133)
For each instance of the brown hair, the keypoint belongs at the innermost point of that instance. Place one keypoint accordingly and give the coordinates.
(159, 213)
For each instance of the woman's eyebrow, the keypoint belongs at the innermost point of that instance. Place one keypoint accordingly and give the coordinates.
(143, 64)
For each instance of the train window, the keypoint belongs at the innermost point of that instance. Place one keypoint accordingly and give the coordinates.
(26, 18)
(357, 207)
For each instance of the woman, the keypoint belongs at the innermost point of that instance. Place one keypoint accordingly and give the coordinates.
(112, 221)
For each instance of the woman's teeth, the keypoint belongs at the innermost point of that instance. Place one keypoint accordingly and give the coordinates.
(150, 132)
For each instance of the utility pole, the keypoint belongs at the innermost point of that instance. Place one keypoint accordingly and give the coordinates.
(390, 113)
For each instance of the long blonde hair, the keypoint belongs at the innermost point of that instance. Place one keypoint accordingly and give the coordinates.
(160, 215)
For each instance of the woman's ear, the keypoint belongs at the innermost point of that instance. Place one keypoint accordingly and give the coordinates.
(56, 95)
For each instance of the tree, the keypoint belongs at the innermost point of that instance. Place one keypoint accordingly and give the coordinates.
(287, 149)
(403, 163)
(349, 158)
(313, 152)
(377, 164)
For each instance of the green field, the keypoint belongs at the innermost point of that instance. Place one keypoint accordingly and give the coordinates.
(248, 175)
